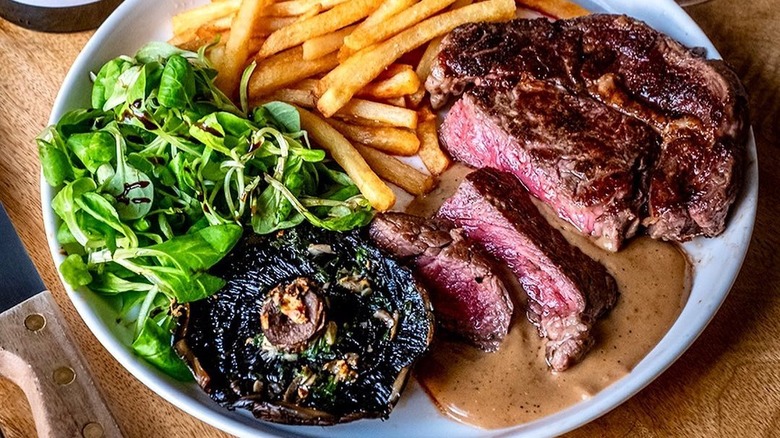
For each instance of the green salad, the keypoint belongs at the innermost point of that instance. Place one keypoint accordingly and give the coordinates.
(157, 181)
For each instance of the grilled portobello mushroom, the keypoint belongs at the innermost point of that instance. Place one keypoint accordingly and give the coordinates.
(312, 327)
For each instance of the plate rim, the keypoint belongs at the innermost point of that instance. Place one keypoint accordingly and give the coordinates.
(564, 421)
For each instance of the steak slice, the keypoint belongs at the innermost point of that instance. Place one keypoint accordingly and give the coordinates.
(697, 106)
(587, 161)
(468, 298)
(567, 290)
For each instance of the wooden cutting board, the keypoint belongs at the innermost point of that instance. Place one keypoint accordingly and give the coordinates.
(727, 384)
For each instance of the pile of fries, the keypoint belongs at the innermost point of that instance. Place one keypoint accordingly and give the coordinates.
(353, 65)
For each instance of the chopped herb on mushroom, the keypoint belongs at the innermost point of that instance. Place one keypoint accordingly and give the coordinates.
(355, 283)
(301, 332)
(343, 369)
(317, 249)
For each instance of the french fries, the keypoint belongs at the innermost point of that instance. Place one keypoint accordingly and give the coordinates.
(402, 83)
(298, 7)
(269, 25)
(460, 3)
(339, 59)
(378, 194)
(293, 96)
(308, 85)
(380, 112)
(286, 68)
(426, 62)
(340, 16)
(403, 20)
(556, 8)
(387, 9)
(361, 111)
(216, 26)
(188, 41)
(397, 172)
(192, 19)
(316, 9)
(396, 101)
(324, 44)
(394, 141)
(237, 45)
(430, 152)
(348, 78)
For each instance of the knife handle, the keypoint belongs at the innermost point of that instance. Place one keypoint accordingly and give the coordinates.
(38, 354)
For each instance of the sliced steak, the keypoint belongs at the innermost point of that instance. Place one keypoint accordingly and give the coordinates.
(468, 297)
(697, 106)
(567, 290)
(589, 162)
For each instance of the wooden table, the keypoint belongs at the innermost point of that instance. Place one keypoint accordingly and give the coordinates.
(727, 384)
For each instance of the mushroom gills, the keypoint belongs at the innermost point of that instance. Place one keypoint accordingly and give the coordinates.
(293, 342)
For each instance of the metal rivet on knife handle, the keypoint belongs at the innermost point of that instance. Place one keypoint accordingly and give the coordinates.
(92, 430)
(35, 322)
(64, 376)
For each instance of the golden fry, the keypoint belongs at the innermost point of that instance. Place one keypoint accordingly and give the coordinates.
(316, 9)
(290, 8)
(286, 68)
(403, 83)
(380, 112)
(394, 141)
(308, 85)
(392, 70)
(237, 44)
(326, 22)
(209, 33)
(184, 40)
(387, 9)
(214, 27)
(460, 3)
(268, 25)
(429, 56)
(359, 121)
(556, 8)
(361, 112)
(194, 18)
(424, 66)
(301, 98)
(426, 114)
(298, 7)
(403, 20)
(344, 53)
(415, 99)
(397, 172)
(324, 44)
(396, 101)
(345, 80)
(378, 194)
(430, 152)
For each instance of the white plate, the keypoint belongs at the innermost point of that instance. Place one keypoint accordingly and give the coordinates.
(716, 261)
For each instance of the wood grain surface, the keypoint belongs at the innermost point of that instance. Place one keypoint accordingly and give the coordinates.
(727, 384)
(38, 355)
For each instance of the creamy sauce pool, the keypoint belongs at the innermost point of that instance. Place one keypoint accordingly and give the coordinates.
(514, 385)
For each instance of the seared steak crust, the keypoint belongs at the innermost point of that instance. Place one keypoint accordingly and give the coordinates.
(586, 160)
(468, 298)
(567, 290)
(697, 106)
